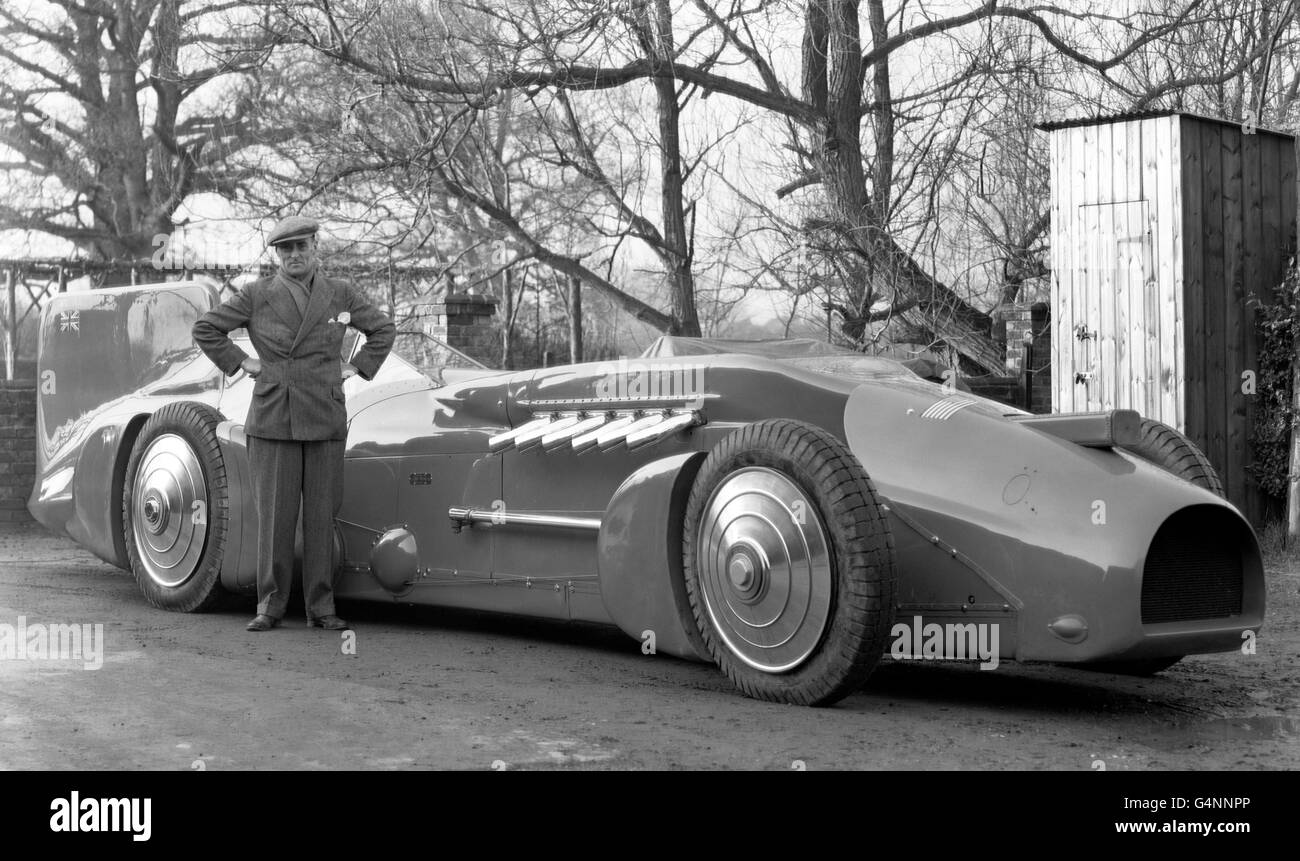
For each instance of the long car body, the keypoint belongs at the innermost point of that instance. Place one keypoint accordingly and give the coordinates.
(630, 493)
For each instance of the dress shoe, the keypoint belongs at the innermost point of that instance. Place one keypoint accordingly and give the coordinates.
(262, 622)
(329, 623)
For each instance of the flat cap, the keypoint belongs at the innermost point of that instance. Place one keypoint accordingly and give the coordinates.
(293, 227)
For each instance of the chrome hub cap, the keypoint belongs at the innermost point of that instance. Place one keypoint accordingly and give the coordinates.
(742, 571)
(764, 567)
(748, 569)
(153, 513)
(169, 529)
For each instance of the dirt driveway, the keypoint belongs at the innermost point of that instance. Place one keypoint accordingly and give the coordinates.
(435, 689)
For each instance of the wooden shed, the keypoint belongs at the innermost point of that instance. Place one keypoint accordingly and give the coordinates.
(1163, 225)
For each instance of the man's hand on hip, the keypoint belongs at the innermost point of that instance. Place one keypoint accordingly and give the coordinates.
(348, 369)
(252, 367)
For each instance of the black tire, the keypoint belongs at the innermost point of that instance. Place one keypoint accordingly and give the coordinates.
(1171, 451)
(1175, 453)
(174, 543)
(839, 636)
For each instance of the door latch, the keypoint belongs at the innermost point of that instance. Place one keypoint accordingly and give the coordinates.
(1087, 337)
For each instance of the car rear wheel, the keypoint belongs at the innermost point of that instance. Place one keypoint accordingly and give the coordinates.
(1173, 452)
(175, 505)
(789, 563)
(1168, 449)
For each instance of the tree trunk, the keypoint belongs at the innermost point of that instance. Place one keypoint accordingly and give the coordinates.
(508, 327)
(680, 277)
(575, 320)
(878, 268)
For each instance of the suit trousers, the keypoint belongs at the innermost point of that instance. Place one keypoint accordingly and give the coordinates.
(287, 473)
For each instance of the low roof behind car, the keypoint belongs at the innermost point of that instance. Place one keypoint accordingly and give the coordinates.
(797, 348)
(786, 348)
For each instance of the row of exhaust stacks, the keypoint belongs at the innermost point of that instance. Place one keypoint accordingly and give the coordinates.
(596, 430)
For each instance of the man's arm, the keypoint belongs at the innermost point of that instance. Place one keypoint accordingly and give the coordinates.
(210, 332)
(379, 331)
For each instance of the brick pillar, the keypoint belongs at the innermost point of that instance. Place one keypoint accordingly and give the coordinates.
(1018, 321)
(17, 448)
(464, 321)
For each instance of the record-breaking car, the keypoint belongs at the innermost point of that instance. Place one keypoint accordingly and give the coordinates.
(790, 512)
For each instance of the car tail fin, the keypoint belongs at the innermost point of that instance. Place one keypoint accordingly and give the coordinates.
(98, 346)
(1094, 430)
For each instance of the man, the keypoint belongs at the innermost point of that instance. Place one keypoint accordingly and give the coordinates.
(297, 421)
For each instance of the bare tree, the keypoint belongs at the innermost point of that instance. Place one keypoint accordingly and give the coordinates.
(873, 149)
(1237, 60)
(571, 146)
(923, 144)
(121, 111)
(865, 216)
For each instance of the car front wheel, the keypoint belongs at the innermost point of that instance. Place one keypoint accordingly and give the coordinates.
(789, 563)
(175, 506)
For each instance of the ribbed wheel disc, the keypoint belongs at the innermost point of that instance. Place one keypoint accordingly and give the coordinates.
(764, 568)
(169, 529)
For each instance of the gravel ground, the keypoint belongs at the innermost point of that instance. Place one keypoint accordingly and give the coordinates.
(442, 689)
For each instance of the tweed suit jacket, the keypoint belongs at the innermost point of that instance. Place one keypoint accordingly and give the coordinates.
(299, 393)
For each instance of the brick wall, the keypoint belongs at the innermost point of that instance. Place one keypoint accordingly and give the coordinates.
(17, 448)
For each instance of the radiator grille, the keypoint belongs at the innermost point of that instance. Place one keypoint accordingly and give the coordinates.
(1193, 570)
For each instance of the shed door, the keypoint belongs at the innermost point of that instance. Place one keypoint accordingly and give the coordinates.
(1114, 343)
